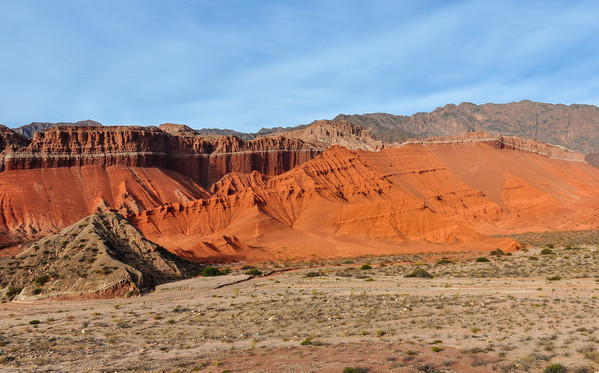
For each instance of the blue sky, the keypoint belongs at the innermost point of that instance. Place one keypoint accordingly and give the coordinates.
(251, 64)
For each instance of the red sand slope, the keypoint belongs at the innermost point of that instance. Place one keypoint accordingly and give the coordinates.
(417, 197)
(40, 201)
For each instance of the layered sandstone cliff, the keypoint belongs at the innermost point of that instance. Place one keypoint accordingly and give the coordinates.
(203, 160)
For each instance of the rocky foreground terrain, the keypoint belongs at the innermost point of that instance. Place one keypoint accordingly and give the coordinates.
(478, 313)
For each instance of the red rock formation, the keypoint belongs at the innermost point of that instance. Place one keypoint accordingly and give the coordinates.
(37, 202)
(438, 195)
(204, 161)
(507, 142)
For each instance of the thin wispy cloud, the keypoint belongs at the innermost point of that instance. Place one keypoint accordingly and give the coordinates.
(245, 65)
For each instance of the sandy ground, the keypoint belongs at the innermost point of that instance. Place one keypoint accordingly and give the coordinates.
(512, 313)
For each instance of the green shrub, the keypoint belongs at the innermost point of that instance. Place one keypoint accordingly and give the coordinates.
(533, 258)
(350, 370)
(444, 261)
(34, 322)
(555, 368)
(41, 280)
(306, 342)
(482, 259)
(313, 274)
(365, 267)
(497, 252)
(547, 251)
(245, 267)
(13, 291)
(554, 278)
(550, 245)
(436, 349)
(419, 273)
(211, 271)
(254, 272)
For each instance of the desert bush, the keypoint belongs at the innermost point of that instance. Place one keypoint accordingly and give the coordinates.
(41, 280)
(365, 267)
(554, 278)
(419, 273)
(354, 370)
(211, 271)
(13, 291)
(253, 272)
(313, 274)
(497, 252)
(306, 342)
(482, 259)
(245, 267)
(546, 251)
(34, 322)
(444, 261)
(555, 368)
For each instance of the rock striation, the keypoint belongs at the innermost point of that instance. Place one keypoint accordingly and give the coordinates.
(100, 256)
(507, 142)
(202, 160)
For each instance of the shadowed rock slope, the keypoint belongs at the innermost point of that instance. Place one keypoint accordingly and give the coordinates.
(100, 256)
(574, 126)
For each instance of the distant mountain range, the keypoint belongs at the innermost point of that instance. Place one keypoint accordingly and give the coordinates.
(573, 126)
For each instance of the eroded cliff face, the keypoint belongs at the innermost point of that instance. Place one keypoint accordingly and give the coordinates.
(37, 202)
(435, 195)
(69, 172)
(203, 160)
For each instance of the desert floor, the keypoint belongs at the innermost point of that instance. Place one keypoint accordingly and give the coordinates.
(521, 312)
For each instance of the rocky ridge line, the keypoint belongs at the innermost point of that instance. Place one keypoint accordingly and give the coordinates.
(506, 142)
